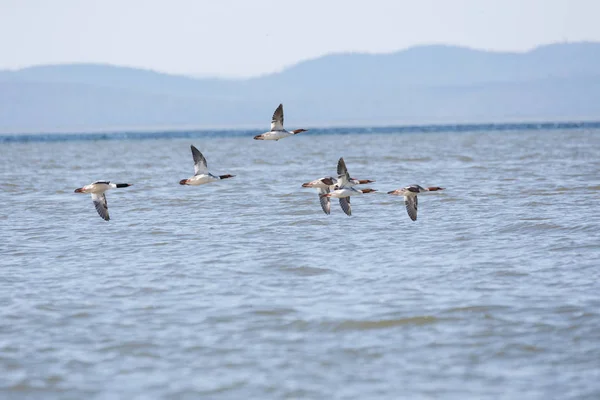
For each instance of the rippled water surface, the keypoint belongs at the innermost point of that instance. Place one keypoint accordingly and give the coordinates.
(245, 289)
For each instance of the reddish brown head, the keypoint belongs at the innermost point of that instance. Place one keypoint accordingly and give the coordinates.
(368, 190)
(258, 137)
(364, 181)
(298, 131)
(434, 188)
(183, 182)
(80, 190)
(307, 184)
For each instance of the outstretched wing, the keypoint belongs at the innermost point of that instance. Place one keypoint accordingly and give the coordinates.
(200, 166)
(343, 175)
(345, 204)
(101, 205)
(277, 121)
(325, 202)
(411, 206)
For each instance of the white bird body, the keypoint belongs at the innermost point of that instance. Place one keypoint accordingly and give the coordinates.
(274, 135)
(277, 130)
(98, 187)
(201, 179)
(344, 192)
(97, 190)
(201, 176)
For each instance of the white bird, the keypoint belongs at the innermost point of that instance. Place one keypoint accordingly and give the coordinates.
(277, 131)
(410, 197)
(97, 190)
(328, 183)
(343, 189)
(343, 194)
(324, 185)
(201, 175)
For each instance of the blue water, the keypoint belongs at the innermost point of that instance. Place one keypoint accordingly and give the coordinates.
(246, 289)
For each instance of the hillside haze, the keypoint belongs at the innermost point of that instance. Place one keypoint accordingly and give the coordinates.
(422, 85)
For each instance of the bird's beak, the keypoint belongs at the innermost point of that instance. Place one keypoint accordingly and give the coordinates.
(80, 190)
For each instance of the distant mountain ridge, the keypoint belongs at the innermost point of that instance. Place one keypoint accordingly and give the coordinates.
(422, 84)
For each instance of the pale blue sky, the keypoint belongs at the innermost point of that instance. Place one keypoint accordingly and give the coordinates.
(252, 37)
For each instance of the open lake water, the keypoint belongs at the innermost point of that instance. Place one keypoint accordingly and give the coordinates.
(244, 288)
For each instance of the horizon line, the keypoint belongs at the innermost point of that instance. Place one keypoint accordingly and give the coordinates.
(404, 127)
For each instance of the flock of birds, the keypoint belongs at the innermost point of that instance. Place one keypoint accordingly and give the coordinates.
(341, 188)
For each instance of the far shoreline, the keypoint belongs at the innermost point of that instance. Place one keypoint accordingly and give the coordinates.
(190, 132)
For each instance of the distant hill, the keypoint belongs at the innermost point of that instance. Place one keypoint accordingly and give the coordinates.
(426, 84)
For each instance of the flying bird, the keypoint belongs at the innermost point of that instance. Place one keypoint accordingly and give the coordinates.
(410, 197)
(344, 194)
(201, 174)
(277, 131)
(97, 190)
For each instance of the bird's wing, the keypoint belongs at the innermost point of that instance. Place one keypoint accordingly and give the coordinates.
(200, 166)
(101, 205)
(277, 121)
(325, 202)
(343, 175)
(345, 204)
(411, 206)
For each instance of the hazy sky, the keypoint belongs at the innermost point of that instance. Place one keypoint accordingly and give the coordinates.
(251, 37)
